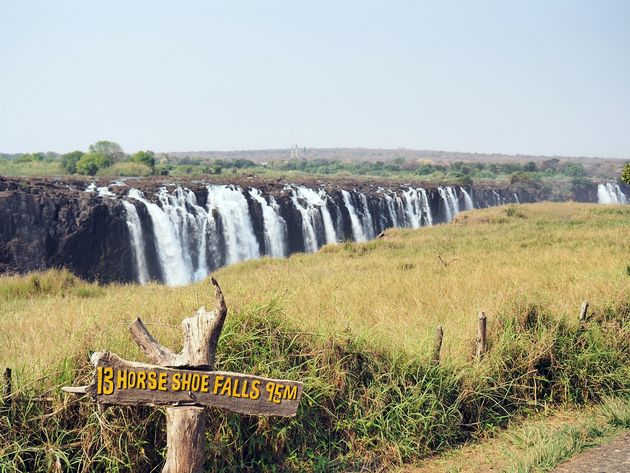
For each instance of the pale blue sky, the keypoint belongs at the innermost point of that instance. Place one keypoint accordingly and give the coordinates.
(537, 77)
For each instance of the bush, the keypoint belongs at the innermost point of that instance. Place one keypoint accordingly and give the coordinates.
(69, 161)
(91, 162)
(144, 157)
(123, 169)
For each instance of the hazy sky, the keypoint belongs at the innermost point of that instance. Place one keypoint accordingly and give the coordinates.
(548, 77)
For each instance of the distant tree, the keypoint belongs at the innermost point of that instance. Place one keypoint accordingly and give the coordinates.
(572, 169)
(30, 157)
(144, 157)
(530, 167)
(69, 161)
(91, 162)
(625, 175)
(108, 149)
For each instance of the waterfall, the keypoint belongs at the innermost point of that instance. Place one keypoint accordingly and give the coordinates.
(426, 207)
(368, 224)
(391, 209)
(230, 205)
(610, 194)
(316, 207)
(516, 198)
(137, 242)
(189, 223)
(497, 198)
(413, 207)
(191, 239)
(275, 225)
(451, 204)
(357, 227)
(468, 202)
(308, 231)
(101, 191)
(174, 269)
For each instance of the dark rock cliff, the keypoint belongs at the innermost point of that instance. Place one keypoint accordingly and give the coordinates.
(48, 223)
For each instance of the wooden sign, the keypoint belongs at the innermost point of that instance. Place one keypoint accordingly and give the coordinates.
(117, 381)
(186, 383)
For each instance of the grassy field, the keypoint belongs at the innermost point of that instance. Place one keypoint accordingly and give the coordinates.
(392, 291)
(355, 321)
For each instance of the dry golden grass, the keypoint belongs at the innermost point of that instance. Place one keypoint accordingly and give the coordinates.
(393, 291)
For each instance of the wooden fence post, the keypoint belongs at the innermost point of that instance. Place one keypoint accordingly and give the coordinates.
(186, 426)
(8, 388)
(482, 341)
(437, 344)
(583, 312)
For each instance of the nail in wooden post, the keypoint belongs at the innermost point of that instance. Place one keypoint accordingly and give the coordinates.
(583, 312)
(437, 346)
(7, 386)
(482, 342)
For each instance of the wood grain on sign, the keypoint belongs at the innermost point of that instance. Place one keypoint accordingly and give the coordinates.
(118, 381)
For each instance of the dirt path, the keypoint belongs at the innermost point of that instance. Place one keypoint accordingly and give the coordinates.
(613, 457)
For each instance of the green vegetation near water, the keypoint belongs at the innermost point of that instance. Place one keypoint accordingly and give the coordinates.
(107, 159)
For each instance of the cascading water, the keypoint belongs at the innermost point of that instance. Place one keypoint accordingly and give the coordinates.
(238, 232)
(355, 223)
(187, 239)
(610, 194)
(516, 198)
(468, 202)
(274, 225)
(497, 198)
(316, 207)
(137, 242)
(451, 204)
(413, 207)
(169, 250)
(368, 224)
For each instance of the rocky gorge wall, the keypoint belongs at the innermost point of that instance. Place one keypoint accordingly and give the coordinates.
(138, 231)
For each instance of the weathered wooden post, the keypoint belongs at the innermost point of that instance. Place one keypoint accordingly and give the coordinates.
(186, 384)
(482, 342)
(437, 344)
(8, 387)
(583, 312)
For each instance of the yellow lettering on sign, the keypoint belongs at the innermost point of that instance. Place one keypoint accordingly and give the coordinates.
(227, 387)
(255, 394)
(121, 379)
(235, 392)
(107, 381)
(131, 380)
(277, 393)
(244, 393)
(151, 380)
(269, 387)
(186, 377)
(99, 380)
(175, 382)
(218, 382)
(290, 393)
(162, 379)
(205, 380)
(141, 383)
